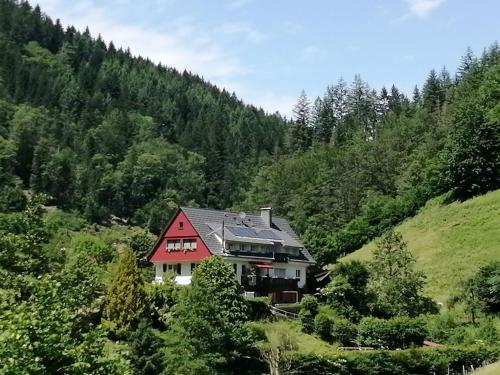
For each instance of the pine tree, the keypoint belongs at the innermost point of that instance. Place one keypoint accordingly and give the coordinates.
(322, 122)
(300, 131)
(125, 297)
(433, 93)
(466, 63)
(416, 96)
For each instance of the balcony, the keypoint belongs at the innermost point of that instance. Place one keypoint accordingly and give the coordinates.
(265, 285)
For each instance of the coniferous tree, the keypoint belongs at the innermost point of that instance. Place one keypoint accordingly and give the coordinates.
(433, 93)
(300, 135)
(125, 297)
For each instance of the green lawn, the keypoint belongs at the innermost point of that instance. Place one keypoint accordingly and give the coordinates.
(450, 241)
(305, 343)
(493, 369)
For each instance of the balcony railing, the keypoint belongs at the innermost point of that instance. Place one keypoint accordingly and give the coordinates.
(266, 284)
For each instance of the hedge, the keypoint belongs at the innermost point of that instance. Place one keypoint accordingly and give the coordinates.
(258, 308)
(421, 361)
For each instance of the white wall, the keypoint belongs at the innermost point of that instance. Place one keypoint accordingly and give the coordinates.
(289, 267)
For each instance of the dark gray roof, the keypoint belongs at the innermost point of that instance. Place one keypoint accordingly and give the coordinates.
(203, 220)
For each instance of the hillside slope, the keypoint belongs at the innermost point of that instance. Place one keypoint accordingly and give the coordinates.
(450, 241)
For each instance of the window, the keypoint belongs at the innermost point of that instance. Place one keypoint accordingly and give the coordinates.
(181, 225)
(189, 244)
(234, 246)
(175, 268)
(193, 266)
(297, 274)
(280, 272)
(173, 245)
(164, 268)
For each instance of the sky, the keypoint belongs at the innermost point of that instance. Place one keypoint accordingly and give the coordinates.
(268, 51)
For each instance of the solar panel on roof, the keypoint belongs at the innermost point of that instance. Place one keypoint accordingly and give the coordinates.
(268, 234)
(265, 234)
(242, 232)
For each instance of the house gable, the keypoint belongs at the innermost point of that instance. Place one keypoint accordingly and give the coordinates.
(179, 229)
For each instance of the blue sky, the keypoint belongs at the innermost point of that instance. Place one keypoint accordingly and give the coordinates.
(268, 51)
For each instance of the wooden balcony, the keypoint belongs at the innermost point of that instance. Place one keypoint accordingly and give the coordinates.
(264, 285)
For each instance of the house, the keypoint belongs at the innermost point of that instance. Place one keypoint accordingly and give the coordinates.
(267, 256)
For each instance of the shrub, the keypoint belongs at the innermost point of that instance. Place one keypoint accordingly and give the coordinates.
(395, 333)
(323, 326)
(343, 331)
(258, 308)
(160, 299)
(93, 247)
(310, 304)
(309, 310)
(421, 361)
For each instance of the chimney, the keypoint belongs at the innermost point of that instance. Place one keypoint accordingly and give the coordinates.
(266, 215)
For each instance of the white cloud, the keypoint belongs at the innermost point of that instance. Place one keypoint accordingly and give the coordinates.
(271, 101)
(422, 8)
(242, 29)
(183, 46)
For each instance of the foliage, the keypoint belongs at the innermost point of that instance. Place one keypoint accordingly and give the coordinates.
(145, 350)
(343, 331)
(396, 333)
(208, 334)
(258, 308)
(40, 336)
(308, 311)
(161, 299)
(413, 361)
(480, 293)
(473, 149)
(141, 243)
(323, 326)
(347, 292)
(92, 246)
(125, 295)
(489, 292)
(394, 282)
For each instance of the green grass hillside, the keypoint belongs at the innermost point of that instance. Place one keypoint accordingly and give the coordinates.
(493, 369)
(450, 241)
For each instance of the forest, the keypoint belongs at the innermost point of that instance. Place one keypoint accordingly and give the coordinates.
(92, 136)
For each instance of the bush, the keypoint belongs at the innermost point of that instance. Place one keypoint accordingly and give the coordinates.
(309, 310)
(344, 332)
(258, 308)
(323, 326)
(291, 307)
(396, 333)
(160, 299)
(12, 199)
(421, 361)
(93, 247)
